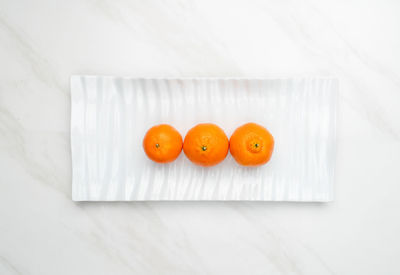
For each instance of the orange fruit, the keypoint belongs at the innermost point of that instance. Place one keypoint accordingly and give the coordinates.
(251, 145)
(162, 143)
(206, 144)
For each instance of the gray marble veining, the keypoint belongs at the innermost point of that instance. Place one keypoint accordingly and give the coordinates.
(42, 43)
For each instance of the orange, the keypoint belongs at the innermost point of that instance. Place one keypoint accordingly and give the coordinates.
(162, 143)
(206, 144)
(251, 145)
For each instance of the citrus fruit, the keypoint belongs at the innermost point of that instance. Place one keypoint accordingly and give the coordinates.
(162, 143)
(206, 144)
(251, 145)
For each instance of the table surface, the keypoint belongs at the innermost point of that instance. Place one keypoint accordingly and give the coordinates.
(42, 231)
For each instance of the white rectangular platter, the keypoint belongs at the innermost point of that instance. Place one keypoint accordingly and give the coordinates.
(110, 116)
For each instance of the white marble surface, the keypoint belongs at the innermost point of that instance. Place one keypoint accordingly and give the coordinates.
(43, 42)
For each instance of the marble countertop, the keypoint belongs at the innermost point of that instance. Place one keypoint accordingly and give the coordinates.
(42, 231)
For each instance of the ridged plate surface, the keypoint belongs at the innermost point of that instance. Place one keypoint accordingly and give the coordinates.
(110, 116)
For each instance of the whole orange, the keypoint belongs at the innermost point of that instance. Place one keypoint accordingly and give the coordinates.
(251, 145)
(162, 143)
(206, 144)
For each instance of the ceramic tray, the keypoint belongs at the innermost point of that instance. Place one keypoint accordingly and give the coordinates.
(110, 116)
